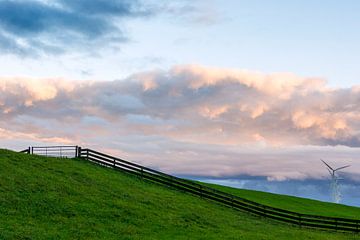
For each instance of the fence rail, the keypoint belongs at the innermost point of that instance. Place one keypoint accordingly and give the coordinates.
(233, 201)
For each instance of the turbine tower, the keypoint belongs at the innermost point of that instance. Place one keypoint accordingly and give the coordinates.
(335, 189)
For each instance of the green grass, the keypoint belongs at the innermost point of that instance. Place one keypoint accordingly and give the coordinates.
(296, 204)
(50, 198)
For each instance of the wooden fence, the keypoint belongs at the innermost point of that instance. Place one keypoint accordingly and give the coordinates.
(299, 219)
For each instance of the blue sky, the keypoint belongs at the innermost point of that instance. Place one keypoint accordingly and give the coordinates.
(308, 38)
(204, 88)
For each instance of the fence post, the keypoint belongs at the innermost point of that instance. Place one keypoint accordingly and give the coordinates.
(142, 172)
(32, 150)
(28, 151)
(114, 162)
(336, 224)
(78, 154)
(264, 210)
(87, 154)
(299, 220)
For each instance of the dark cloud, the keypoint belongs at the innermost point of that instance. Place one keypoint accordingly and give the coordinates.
(103, 7)
(37, 27)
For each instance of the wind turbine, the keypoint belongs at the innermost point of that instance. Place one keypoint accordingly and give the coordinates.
(335, 189)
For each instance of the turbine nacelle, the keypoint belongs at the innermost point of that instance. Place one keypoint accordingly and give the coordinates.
(331, 170)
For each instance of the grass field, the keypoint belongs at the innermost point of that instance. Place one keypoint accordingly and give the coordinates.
(50, 198)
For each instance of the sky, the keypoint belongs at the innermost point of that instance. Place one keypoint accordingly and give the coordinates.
(205, 88)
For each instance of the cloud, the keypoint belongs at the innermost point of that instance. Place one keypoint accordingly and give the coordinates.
(192, 12)
(315, 189)
(32, 28)
(195, 119)
(37, 27)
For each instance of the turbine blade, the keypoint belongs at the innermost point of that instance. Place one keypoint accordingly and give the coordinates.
(327, 164)
(342, 167)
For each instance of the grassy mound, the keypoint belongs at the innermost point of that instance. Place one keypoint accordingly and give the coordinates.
(51, 198)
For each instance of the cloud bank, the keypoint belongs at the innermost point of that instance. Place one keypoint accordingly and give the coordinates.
(315, 189)
(192, 119)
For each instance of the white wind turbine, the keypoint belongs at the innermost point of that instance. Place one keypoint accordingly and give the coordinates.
(335, 189)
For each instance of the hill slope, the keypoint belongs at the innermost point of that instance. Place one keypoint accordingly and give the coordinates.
(50, 198)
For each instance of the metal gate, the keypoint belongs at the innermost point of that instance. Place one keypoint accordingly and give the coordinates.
(55, 151)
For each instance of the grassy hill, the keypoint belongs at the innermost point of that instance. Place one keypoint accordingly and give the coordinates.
(51, 198)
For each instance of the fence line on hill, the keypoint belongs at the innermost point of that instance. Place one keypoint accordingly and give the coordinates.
(230, 200)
